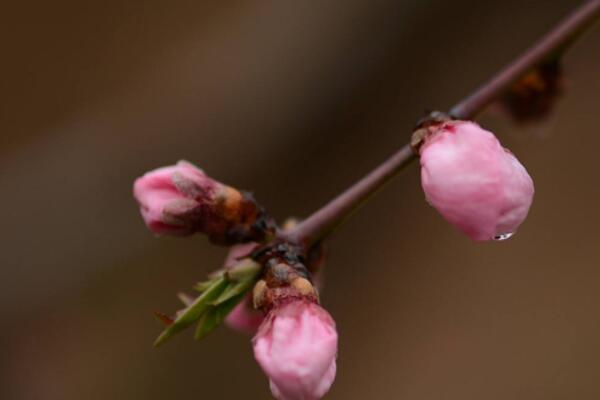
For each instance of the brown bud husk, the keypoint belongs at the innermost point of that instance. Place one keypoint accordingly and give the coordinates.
(426, 127)
(235, 217)
(534, 96)
(285, 277)
(226, 215)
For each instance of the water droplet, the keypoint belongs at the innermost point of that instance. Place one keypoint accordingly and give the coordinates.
(504, 236)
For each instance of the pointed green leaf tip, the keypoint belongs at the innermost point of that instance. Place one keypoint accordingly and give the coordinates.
(219, 296)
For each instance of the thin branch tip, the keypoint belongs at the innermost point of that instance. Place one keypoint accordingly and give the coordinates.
(325, 220)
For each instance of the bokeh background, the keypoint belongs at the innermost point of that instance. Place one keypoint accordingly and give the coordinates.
(293, 100)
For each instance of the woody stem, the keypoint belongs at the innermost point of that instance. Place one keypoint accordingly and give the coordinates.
(325, 220)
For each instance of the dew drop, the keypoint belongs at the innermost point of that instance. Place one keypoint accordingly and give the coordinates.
(504, 236)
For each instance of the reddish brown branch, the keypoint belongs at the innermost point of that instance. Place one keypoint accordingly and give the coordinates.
(318, 225)
(553, 44)
(322, 222)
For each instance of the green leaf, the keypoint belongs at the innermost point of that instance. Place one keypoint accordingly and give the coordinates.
(186, 299)
(215, 315)
(219, 295)
(213, 277)
(233, 290)
(246, 269)
(194, 311)
(202, 286)
(242, 276)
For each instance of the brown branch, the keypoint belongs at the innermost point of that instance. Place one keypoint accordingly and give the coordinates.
(320, 224)
(326, 219)
(553, 44)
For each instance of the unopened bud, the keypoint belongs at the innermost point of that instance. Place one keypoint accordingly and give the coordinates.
(182, 200)
(244, 317)
(296, 346)
(475, 183)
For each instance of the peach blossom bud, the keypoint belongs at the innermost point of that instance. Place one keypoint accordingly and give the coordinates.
(182, 200)
(244, 317)
(475, 183)
(296, 346)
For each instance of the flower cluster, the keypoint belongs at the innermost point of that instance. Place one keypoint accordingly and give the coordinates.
(263, 289)
(266, 287)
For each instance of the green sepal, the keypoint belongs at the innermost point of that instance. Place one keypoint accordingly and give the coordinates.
(194, 311)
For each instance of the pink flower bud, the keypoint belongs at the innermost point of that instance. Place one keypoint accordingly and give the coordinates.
(476, 184)
(244, 317)
(296, 346)
(182, 200)
(156, 192)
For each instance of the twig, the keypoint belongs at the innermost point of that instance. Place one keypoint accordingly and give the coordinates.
(551, 45)
(326, 219)
(321, 223)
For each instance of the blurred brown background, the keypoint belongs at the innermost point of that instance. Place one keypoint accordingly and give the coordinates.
(293, 100)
